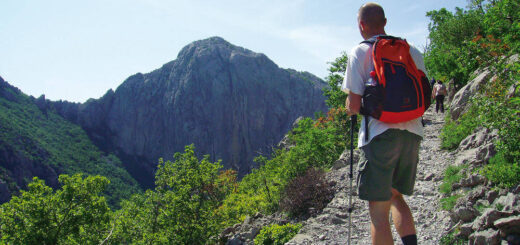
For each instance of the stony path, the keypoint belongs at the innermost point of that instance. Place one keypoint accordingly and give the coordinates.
(331, 226)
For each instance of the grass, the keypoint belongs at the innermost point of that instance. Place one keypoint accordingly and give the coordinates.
(448, 203)
(452, 175)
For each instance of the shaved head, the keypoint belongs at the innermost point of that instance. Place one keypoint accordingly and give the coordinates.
(372, 14)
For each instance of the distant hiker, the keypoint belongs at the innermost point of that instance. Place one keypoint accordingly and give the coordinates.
(390, 151)
(439, 92)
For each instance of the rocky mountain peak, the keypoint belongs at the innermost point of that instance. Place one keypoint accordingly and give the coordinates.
(216, 49)
(230, 102)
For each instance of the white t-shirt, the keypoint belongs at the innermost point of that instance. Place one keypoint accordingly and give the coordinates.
(358, 70)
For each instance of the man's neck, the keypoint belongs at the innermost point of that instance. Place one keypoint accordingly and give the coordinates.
(369, 35)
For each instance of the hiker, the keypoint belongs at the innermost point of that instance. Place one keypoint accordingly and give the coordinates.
(439, 92)
(390, 152)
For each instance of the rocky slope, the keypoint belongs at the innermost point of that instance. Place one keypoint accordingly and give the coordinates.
(484, 213)
(331, 225)
(230, 102)
(487, 226)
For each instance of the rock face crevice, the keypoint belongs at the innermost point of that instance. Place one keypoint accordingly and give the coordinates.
(230, 102)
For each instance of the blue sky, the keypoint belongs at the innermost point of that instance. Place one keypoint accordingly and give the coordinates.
(75, 50)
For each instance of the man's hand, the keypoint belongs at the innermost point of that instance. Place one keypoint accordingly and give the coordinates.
(353, 104)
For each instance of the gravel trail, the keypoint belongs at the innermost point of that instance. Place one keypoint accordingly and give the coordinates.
(331, 226)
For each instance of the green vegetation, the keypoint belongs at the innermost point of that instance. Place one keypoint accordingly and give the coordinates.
(481, 207)
(183, 207)
(277, 234)
(483, 36)
(452, 175)
(335, 97)
(499, 206)
(316, 144)
(501, 172)
(193, 200)
(47, 139)
(450, 239)
(74, 214)
(454, 132)
(448, 203)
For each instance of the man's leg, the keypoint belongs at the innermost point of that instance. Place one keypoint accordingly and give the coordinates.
(380, 222)
(401, 215)
(442, 104)
(437, 104)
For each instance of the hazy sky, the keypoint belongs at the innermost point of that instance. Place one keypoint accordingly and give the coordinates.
(75, 50)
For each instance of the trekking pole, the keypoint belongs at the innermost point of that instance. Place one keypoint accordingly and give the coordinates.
(353, 120)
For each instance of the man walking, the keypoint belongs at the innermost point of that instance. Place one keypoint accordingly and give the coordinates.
(390, 154)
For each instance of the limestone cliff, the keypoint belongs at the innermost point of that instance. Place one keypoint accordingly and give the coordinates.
(230, 102)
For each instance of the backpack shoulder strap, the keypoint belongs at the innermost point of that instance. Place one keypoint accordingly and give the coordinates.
(370, 41)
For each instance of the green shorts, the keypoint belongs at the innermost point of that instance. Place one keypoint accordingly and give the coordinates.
(389, 160)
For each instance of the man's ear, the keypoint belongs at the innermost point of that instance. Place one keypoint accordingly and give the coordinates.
(362, 26)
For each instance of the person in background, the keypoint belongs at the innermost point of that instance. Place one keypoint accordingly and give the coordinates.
(439, 92)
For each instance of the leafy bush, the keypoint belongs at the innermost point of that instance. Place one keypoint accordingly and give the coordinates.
(501, 172)
(74, 214)
(454, 132)
(307, 194)
(315, 144)
(277, 234)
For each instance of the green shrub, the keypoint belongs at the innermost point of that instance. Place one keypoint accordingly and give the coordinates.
(316, 143)
(454, 132)
(501, 172)
(277, 234)
(448, 203)
(452, 175)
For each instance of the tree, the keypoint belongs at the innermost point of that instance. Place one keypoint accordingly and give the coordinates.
(182, 209)
(75, 214)
(336, 97)
(450, 53)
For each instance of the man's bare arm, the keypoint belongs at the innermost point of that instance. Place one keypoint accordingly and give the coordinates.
(353, 104)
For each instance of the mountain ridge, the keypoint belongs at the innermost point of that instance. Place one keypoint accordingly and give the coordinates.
(229, 101)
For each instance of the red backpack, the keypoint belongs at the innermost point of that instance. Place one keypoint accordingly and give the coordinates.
(401, 92)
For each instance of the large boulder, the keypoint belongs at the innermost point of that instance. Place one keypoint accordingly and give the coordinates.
(459, 104)
(477, 148)
(487, 237)
(509, 225)
(451, 90)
